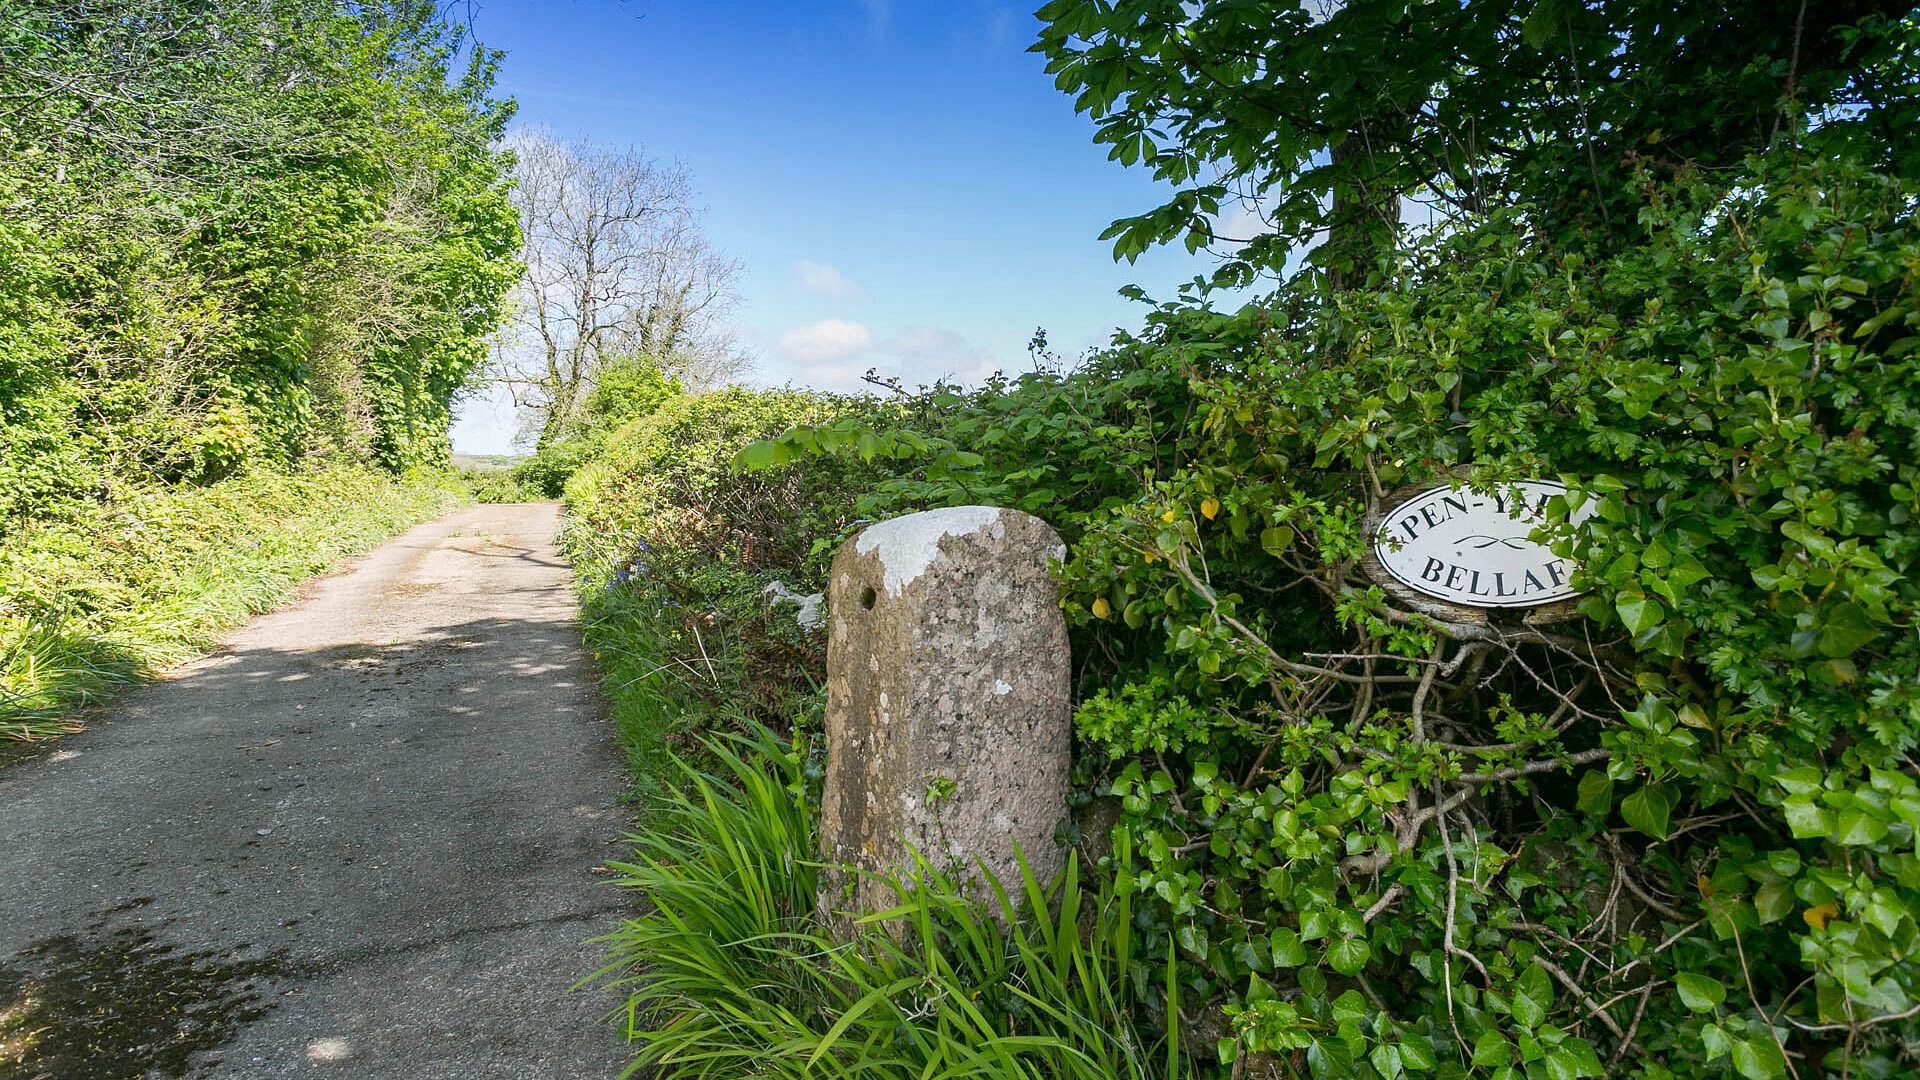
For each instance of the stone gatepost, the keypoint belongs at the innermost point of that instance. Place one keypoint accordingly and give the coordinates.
(948, 710)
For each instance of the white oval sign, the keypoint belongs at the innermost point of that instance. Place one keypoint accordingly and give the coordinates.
(1471, 548)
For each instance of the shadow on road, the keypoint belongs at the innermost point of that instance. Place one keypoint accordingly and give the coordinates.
(281, 847)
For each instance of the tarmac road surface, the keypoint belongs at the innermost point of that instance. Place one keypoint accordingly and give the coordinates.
(359, 841)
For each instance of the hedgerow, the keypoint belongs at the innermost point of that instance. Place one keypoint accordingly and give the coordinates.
(247, 251)
(1673, 837)
(674, 552)
(1674, 832)
(239, 235)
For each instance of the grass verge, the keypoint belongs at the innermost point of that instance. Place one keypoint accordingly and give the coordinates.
(692, 578)
(729, 973)
(91, 602)
(686, 653)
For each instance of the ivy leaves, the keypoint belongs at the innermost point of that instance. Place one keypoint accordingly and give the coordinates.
(1698, 992)
(1745, 666)
(1638, 612)
(1649, 810)
(1837, 631)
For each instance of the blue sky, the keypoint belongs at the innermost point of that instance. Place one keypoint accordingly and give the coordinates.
(901, 181)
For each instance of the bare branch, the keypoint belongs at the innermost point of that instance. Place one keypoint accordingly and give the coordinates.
(616, 267)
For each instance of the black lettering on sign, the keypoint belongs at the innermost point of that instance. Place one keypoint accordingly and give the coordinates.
(1475, 548)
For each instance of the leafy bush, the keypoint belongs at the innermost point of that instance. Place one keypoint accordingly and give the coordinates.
(1672, 838)
(501, 485)
(545, 473)
(248, 250)
(91, 601)
(237, 235)
(675, 550)
(624, 392)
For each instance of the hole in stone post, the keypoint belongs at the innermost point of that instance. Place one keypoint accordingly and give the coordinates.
(868, 597)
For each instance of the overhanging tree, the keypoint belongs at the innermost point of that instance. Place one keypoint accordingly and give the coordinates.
(239, 233)
(1325, 115)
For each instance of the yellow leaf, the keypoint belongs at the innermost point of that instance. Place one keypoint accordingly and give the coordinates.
(1148, 555)
(1209, 508)
(1705, 884)
(1818, 914)
(1102, 609)
(1167, 517)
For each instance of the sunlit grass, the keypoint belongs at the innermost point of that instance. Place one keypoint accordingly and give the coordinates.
(17, 1033)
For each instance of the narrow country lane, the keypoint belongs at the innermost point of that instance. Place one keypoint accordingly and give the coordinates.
(359, 841)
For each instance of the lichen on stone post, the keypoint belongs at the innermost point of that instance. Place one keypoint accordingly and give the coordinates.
(948, 708)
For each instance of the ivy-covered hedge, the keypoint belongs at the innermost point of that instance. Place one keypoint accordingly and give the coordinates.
(1673, 837)
(248, 253)
(675, 551)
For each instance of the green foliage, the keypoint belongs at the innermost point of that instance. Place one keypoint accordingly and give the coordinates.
(674, 552)
(247, 250)
(1037, 443)
(1144, 717)
(1325, 115)
(238, 234)
(545, 473)
(95, 600)
(730, 973)
(1672, 838)
(624, 390)
(666, 480)
(498, 485)
(1672, 834)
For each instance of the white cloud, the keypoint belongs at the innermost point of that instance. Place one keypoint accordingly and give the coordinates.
(1239, 222)
(485, 422)
(827, 281)
(926, 353)
(828, 339)
(836, 354)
